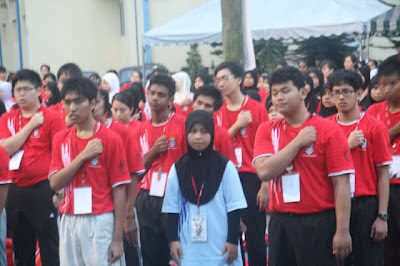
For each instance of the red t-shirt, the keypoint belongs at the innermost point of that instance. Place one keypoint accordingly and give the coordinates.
(174, 130)
(37, 148)
(375, 152)
(134, 124)
(329, 156)
(4, 160)
(223, 143)
(102, 173)
(381, 112)
(245, 137)
(59, 108)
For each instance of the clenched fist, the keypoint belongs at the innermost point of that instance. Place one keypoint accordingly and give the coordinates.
(92, 149)
(307, 136)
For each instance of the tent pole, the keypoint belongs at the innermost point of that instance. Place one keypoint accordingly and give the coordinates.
(360, 46)
(143, 67)
(367, 45)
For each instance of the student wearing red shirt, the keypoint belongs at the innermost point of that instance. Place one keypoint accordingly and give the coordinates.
(162, 142)
(241, 116)
(209, 99)
(66, 71)
(388, 112)
(369, 187)
(307, 161)
(88, 161)
(30, 209)
(102, 113)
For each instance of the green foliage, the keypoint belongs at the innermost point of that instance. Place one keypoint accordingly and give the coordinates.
(268, 53)
(193, 61)
(333, 48)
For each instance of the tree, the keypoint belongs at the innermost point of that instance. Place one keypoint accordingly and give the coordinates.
(333, 48)
(268, 53)
(193, 61)
(232, 30)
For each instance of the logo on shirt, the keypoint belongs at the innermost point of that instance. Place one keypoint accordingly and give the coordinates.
(172, 142)
(35, 133)
(364, 144)
(243, 131)
(95, 161)
(309, 152)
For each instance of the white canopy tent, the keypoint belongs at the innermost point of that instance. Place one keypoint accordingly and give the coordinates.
(269, 19)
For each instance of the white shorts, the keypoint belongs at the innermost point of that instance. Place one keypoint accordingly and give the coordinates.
(85, 240)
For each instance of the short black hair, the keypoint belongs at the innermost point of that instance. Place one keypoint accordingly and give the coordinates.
(113, 71)
(210, 91)
(329, 63)
(309, 81)
(52, 86)
(348, 77)
(126, 98)
(26, 75)
(287, 74)
(3, 69)
(374, 62)
(50, 75)
(46, 66)
(70, 69)
(164, 80)
(139, 72)
(82, 86)
(388, 67)
(107, 106)
(234, 67)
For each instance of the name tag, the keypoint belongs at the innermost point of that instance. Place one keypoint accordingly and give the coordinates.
(198, 228)
(352, 185)
(394, 169)
(15, 160)
(158, 182)
(82, 200)
(239, 158)
(291, 188)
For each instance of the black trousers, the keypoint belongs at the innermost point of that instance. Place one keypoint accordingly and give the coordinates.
(254, 220)
(152, 226)
(32, 217)
(366, 251)
(392, 242)
(301, 239)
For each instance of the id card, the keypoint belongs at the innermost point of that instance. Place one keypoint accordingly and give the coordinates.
(394, 169)
(239, 157)
(352, 185)
(82, 200)
(158, 182)
(15, 160)
(198, 228)
(291, 188)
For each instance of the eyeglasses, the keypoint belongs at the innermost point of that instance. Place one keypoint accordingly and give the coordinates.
(345, 93)
(23, 89)
(223, 78)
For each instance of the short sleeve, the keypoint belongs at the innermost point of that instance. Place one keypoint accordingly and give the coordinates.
(381, 154)
(56, 159)
(134, 153)
(232, 189)
(172, 198)
(117, 166)
(5, 178)
(226, 145)
(337, 152)
(372, 110)
(5, 123)
(263, 142)
(57, 124)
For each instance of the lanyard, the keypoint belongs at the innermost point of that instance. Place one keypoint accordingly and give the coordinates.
(196, 193)
(241, 107)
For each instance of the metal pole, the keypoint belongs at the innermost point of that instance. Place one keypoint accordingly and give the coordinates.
(360, 46)
(1, 52)
(21, 65)
(137, 35)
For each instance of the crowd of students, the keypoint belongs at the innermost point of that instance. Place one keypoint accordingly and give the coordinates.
(164, 173)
